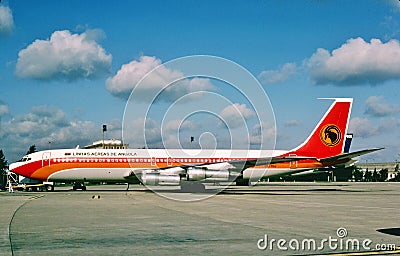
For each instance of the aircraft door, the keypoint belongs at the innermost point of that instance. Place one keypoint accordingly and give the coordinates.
(46, 159)
(153, 161)
(169, 161)
(293, 164)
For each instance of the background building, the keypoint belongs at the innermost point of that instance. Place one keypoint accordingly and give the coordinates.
(108, 144)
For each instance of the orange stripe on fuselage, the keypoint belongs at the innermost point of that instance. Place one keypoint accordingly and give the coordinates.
(293, 165)
(44, 172)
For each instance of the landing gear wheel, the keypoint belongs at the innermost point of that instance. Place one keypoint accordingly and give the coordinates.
(78, 185)
(49, 188)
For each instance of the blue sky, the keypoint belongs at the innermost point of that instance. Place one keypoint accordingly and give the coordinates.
(62, 68)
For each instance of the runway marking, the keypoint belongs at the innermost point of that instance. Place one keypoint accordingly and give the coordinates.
(13, 216)
(36, 197)
(362, 253)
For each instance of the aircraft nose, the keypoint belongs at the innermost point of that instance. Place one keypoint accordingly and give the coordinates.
(11, 166)
(22, 168)
(14, 167)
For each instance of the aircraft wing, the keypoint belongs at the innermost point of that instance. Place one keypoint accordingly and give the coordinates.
(348, 156)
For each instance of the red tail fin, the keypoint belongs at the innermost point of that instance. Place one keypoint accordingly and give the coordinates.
(328, 137)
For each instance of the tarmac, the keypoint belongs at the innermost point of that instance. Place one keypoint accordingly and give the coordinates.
(267, 219)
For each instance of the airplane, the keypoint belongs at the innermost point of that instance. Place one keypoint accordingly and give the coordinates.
(191, 169)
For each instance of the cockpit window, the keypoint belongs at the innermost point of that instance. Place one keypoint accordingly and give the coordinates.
(24, 159)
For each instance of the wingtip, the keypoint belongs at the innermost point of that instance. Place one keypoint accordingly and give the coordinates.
(370, 150)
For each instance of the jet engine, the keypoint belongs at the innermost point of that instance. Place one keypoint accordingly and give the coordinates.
(154, 179)
(198, 174)
(192, 174)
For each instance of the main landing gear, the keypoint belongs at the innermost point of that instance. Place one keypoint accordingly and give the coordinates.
(78, 185)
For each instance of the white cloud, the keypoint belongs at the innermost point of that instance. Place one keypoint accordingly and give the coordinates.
(37, 125)
(362, 127)
(178, 125)
(3, 109)
(395, 5)
(6, 20)
(375, 106)
(150, 133)
(356, 62)
(236, 114)
(46, 124)
(129, 76)
(142, 132)
(263, 134)
(391, 26)
(64, 56)
(114, 125)
(389, 125)
(176, 134)
(291, 123)
(277, 76)
(174, 130)
(381, 128)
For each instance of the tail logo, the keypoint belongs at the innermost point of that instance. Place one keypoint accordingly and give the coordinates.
(330, 135)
